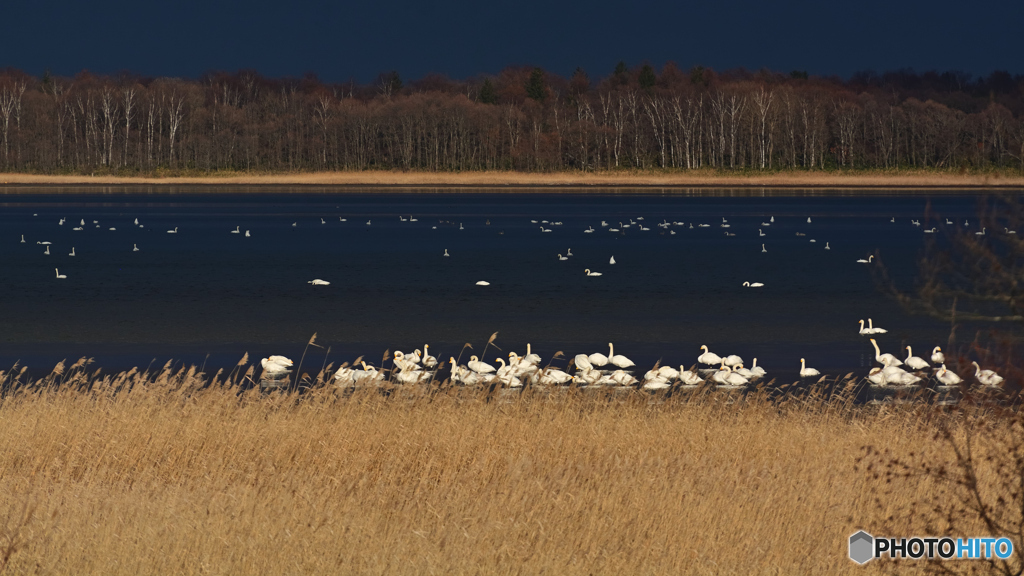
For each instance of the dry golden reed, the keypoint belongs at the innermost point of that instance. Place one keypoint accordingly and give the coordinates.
(172, 474)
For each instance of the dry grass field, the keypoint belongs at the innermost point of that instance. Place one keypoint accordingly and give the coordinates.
(168, 474)
(627, 178)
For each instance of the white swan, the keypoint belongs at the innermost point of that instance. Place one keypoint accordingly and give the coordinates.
(135, 247)
(582, 362)
(59, 275)
(479, 367)
(871, 326)
(136, 222)
(986, 377)
(709, 358)
(868, 261)
(47, 252)
(915, 362)
(808, 219)
(726, 376)
(22, 238)
(569, 253)
(597, 359)
(688, 378)
(864, 330)
(754, 285)
(760, 233)
(932, 231)
(612, 260)
(806, 372)
(618, 359)
(982, 233)
(757, 370)
(560, 257)
(72, 251)
(589, 273)
(732, 360)
(530, 357)
(826, 246)
(937, 356)
(886, 359)
(763, 248)
(175, 231)
(294, 224)
(483, 283)
(946, 377)
(589, 230)
(235, 231)
(319, 282)
(247, 234)
(446, 254)
(1008, 231)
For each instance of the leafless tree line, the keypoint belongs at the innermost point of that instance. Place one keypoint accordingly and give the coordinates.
(683, 121)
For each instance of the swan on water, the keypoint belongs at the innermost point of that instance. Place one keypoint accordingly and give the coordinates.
(446, 254)
(1008, 231)
(368, 222)
(72, 251)
(247, 234)
(808, 219)
(569, 252)
(949, 222)
(709, 358)
(589, 230)
(757, 370)
(760, 233)
(868, 261)
(589, 273)
(618, 359)
(886, 359)
(932, 231)
(59, 275)
(294, 224)
(136, 222)
(864, 330)
(986, 377)
(871, 326)
(937, 356)
(112, 229)
(22, 238)
(765, 224)
(560, 257)
(772, 219)
(982, 233)
(47, 251)
(319, 282)
(915, 362)
(806, 372)
(175, 231)
(946, 377)
(135, 247)
(826, 246)
(763, 250)
(483, 283)
(612, 260)
(236, 230)
(753, 285)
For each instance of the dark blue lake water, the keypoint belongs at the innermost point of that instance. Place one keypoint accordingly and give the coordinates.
(205, 291)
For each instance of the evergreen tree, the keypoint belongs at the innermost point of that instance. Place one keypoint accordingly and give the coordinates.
(647, 77)
(620, 75)
(535, 87)
(488, 95)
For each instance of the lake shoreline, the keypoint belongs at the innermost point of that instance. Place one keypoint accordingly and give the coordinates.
(518, 181)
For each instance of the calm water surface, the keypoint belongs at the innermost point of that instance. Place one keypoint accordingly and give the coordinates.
(205, 291)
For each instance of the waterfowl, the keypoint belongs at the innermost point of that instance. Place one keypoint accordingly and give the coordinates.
(708, 357)
(806, 372)
(937, 356)
(886, 359)
(986, 377)
(915, 362)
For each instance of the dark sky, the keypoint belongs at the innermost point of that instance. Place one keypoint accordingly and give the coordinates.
(461, 38)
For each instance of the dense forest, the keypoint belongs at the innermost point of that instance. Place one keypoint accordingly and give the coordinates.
(521, 119)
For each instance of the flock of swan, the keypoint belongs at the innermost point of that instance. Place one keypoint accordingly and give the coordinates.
(616, 370)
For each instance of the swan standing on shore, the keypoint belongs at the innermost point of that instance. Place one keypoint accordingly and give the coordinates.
(946, 377)
(708, 357)
(986, 377)
(915, 362)
(618, 359)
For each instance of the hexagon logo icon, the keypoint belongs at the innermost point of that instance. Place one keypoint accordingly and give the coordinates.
(861, 547)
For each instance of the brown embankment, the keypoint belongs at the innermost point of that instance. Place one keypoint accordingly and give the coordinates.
(696, 178)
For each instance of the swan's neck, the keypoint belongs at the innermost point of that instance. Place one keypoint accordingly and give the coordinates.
(910, 352)
(527, 348)
(878, 353)
(611, 350)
